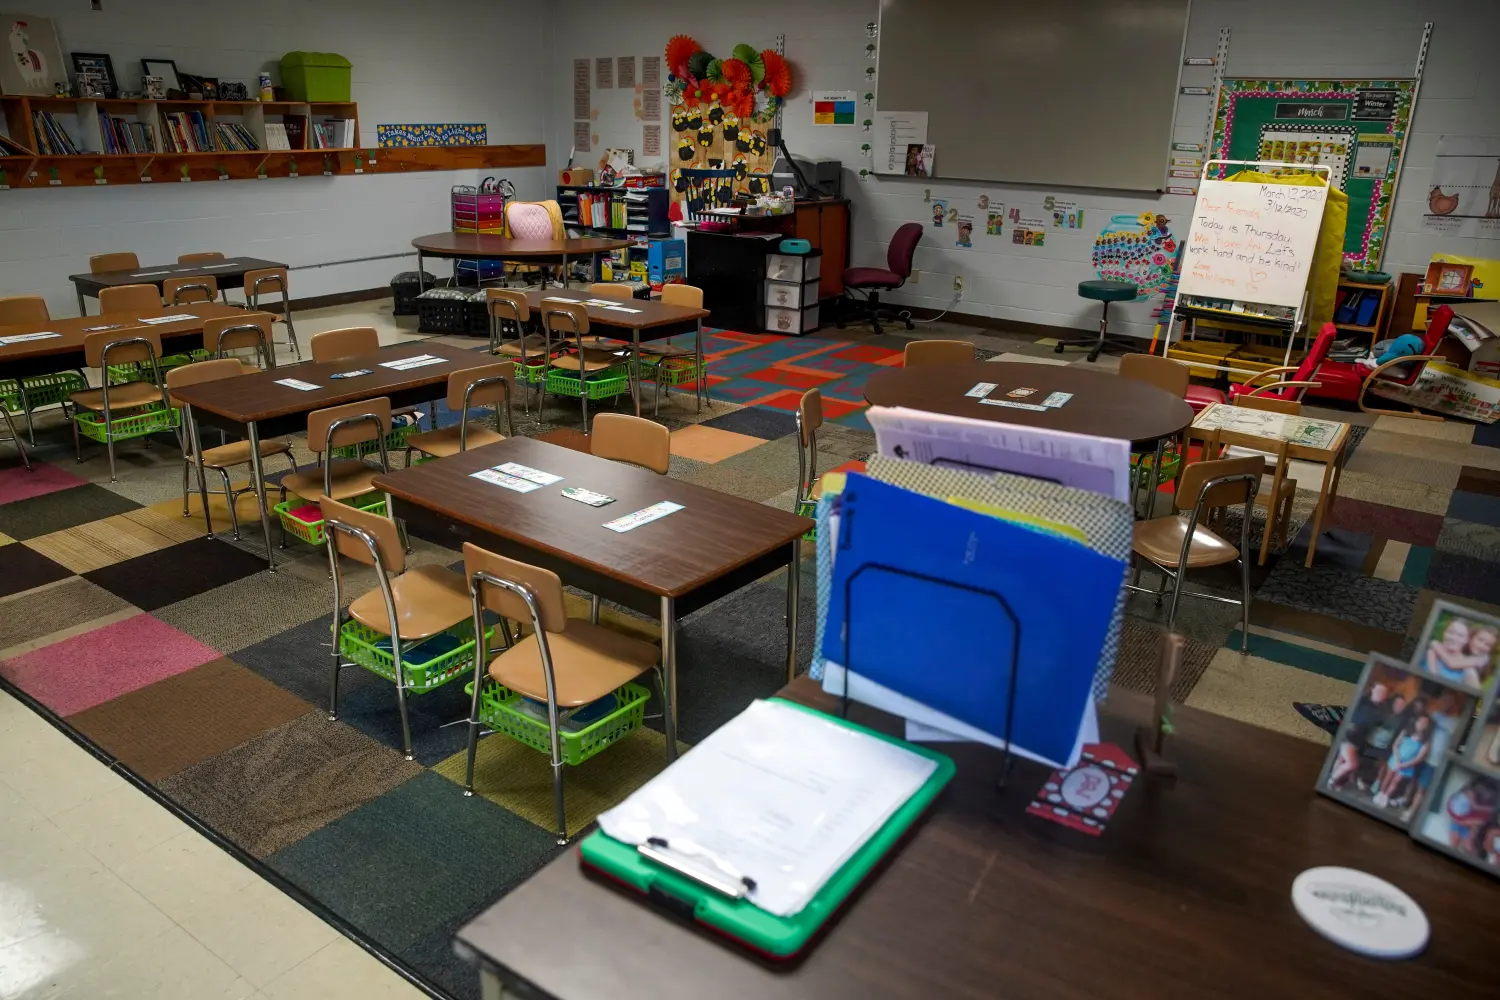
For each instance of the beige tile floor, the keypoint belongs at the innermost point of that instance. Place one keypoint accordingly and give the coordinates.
(105, 894)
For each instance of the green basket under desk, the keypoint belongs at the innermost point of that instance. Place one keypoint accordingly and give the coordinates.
(605, 385)
(311, 532)
(394, 441)
(41, 390)
(504, 711)
(155, 419)
(427, 663)
(140, 372)
(671, 371)
(775, 937)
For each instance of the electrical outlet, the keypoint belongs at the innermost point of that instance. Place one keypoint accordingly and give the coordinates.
(958, 283)
(915, 279)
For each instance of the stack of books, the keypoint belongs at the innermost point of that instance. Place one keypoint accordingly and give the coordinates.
(51, 138)
(186, 132)
(336, 133)
(276, 137)
(121, 136)
(234, 138)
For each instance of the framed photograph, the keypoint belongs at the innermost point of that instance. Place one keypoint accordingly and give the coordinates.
(1462, 817)
(1483, 746)
(96, 66)
(1459, 646)
(164, 68)
(33, 64)
(1449, 279)
(1393, 740)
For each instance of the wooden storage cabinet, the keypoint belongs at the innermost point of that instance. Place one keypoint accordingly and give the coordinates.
(825, 224)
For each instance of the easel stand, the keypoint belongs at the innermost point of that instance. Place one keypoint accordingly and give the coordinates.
(1150, 740)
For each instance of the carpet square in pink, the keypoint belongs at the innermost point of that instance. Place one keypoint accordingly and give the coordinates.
(18, 484)
(91, 668)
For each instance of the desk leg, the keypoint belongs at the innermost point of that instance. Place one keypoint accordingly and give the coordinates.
(669, 654)
(700, 384)
(1154, 483)
(197, 446)
(635, 369)
(1323, 500)
(564, 274)
(793, 593)
(421, 267)
(260, 494)
(82, 309)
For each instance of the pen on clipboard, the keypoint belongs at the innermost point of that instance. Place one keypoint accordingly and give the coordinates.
(654, 845)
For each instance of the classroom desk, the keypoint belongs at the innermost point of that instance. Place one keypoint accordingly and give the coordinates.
(671, 567)
(651, 320)
(65, 353)
(228, 273)
(255, 405)
(1187, 893)
(483, 246)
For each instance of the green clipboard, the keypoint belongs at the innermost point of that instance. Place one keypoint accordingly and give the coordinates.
(777, 938)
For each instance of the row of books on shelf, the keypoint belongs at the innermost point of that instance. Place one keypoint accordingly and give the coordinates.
(51, 138)
(121, 136)
(336, 133)
(612, 210)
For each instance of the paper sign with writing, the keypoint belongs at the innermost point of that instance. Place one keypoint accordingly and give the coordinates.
(1252, 242)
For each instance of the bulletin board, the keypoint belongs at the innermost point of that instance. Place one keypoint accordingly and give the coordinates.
(707, 136)
(1357, 128)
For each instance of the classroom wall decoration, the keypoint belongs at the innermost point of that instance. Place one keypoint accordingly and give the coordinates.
(1357, 127)
(1465, 195)
(33, 63)
(396, 136)
(1139, 249)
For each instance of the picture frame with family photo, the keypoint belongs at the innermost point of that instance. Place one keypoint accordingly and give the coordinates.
(1459, 646)
(1462, 817)
(1394, 740)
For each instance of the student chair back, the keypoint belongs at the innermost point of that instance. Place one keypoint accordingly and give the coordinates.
(612, 290)
(252, 330)
(1164, 373)
(141, 345)
(1243, 475)
(202, 371)
(101, 262)
(565, 318)
(534, 220)
(350, 342)
(690, 296)
(506, 304)
(809, 419)
(636, 440)
(938, 352)
(544, 586)
(1274, 404)
(182, 291)
(23, 310)
(347, 523)
(357, 422)
(130, 298)
(486, 385)
(207, 257)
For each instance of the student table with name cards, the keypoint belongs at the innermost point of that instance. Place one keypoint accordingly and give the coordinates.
(227, 273)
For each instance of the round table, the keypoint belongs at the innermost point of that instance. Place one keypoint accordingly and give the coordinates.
(1104, 405)
(483, 246)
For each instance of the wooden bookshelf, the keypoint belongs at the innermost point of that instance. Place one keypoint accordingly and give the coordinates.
(92, 167)
(1385, 295)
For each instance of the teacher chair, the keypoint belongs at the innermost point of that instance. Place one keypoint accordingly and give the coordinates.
(874, 280)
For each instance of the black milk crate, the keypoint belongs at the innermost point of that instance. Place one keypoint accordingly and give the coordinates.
(443, 310)
(406, 286)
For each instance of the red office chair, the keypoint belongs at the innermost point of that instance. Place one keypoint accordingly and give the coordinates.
(874, 280)
(1294, 388)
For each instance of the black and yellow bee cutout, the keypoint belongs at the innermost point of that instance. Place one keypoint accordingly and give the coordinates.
(757, 144)
(679, 120)
(731, 128)
(741, 166)
(694, 119)
(685, 148)
(706, 135)
(715, 113)
(679, 182)
(760, 184)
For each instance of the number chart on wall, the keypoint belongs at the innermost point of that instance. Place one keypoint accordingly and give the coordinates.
(1356, 128)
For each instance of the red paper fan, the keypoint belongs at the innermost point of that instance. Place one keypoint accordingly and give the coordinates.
(736, 74)
(778, 79)
(679, 50)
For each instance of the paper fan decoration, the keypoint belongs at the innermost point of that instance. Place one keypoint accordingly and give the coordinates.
(751, 84)
(736, 74)
(778, 77)
(679, 50)
(698, 63)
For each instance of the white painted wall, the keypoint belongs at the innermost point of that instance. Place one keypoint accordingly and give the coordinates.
(1279, 38)
(437, 61)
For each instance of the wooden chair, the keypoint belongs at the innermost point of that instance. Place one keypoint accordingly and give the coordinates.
(225, 456)
(937, 352)
(130, 299)
(185, 291)
(117, 403)
(207, 257)
(617, 292)
(251, 331)
(636, 440)
(809, 419)
(1170, 377)
(338, 427)
(487, 385)
(528, 349)
(30, 393)
(565, 662)
(349, 342)
(99, 263)
(407, 605)
(268, 280)
(1175, 544)
(659, 356)
(1277, 500)
(566, 323)
(24, 310)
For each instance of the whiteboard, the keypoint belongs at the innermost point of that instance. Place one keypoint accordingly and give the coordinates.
(1252, 242)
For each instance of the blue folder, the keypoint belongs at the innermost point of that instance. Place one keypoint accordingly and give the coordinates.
(943, 604)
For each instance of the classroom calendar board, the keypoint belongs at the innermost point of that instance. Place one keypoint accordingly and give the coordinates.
(1252, 242)
(1357, 128)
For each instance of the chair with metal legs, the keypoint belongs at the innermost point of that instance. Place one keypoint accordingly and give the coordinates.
(251, 331)
(528, 349)
(272, 279)
(1171, 377)
(937, 352)
(130, 299)
(363, 422)
(189, 291)
(99, 263)
(568, 663)
(809, 419)
(487, 385)
(422, 602)
(635, 441)
(16, 438)
(1175, 544)
(30, 393)
(569, 374)
(668, 365)
(198, 260)
(225, 456)
(131, 410)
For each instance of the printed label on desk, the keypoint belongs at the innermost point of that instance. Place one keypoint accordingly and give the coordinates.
(420, 361)
(1057, 399)
(981, 390)
(620, 309)
(643, 516)
(587, 496)
(297, 383)
(354, 374)
(217, 267)
(173, 318)
(21, 338)
(107, 326)
(150, 274)
(529, 474)
(498, 478)
(1015, 405)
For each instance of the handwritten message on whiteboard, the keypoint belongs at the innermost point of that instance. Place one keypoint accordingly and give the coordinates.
(1252, 242)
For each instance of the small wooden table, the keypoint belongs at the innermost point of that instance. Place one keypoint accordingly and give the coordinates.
(255, 405)
(483, 246)
(228, 273)
(1308, 439)
(1187, 893)
(671, 567)
(647, 319)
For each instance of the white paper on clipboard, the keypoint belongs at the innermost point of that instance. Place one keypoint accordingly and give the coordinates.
(894, 131)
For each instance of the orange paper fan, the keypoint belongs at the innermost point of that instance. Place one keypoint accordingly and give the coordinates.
(778, 79)
(736, 74)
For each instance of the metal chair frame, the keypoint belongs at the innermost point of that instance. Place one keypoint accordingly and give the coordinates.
(264, 349)
(109, 435)
(252, 299)
(195, 287)
(583, 394)
(463, 424)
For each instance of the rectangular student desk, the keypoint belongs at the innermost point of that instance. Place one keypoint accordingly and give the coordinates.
(1187, 893)
(651, 320)
(65, 352)
(668, 568)
(254, 406)
(228, 273)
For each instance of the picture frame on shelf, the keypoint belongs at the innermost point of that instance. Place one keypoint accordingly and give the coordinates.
(166, 69)
(96, 66)
(1444, 278)
(1459, 646)
(1462, 815)
(234, 90)
(1483, 745)
(33, 66)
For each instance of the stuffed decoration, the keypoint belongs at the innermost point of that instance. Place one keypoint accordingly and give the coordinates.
(1406, 345)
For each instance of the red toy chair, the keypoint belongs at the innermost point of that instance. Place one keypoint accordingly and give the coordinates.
(1294, 388)
(1350, 381)
(874, 280)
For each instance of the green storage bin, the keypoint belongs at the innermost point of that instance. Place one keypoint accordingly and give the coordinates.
(316, 77)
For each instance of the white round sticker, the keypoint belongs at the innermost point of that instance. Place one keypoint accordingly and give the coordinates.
(1360, 912)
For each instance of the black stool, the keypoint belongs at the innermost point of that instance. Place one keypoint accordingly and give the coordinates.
(1101, 290)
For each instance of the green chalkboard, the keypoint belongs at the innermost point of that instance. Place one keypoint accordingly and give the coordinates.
(1356, 127)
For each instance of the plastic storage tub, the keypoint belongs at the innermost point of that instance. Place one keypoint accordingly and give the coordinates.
(317, 77)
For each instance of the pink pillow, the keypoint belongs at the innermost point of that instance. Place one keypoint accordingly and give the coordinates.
(529, 222)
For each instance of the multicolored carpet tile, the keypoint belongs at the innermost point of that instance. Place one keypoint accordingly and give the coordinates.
(182, 658)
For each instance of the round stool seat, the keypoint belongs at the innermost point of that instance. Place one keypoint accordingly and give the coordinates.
(1101, 290)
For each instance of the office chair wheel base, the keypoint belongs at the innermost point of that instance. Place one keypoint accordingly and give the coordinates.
(1094, 354)
(1059, 348)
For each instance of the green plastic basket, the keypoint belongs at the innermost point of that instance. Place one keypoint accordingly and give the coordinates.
(613, 382)
(1141, 465)
(311, 532)
(531, 374)
(394, 441)
(371, 650)
(671, 371)
(136, 372)
(41, 390)
(499, 709)
(139, 424)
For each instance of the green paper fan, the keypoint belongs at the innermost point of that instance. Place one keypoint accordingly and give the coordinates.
(698, 63)
(715, 71)
(750, 57)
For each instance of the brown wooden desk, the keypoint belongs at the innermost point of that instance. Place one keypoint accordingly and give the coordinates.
(483, 246)
(651, 320)
(228, 273)
(1186, 894)
(255, 405)
(714, 546)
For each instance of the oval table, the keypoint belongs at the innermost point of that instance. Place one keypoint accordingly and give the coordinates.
(484, 246)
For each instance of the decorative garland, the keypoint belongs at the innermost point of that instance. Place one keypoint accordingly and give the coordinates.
(749, 84)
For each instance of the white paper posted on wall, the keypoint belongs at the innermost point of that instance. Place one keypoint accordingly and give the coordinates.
(894, 131)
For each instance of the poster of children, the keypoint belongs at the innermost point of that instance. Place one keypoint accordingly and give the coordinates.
(1065, 214)
(965, 237)
(939, 211)
(1393, 739)
(1463, 818)
(1459, 646)
(994, 222)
